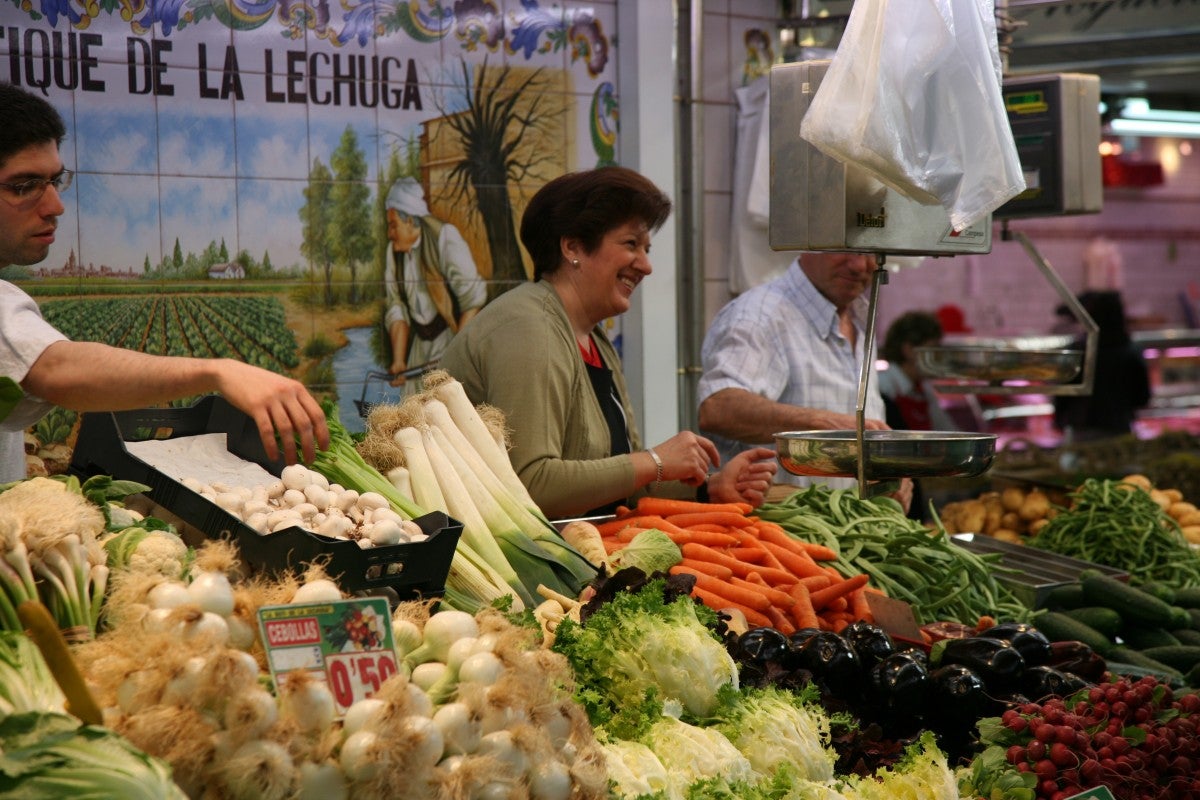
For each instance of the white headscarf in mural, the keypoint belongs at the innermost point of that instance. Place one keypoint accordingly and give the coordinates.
(407, 197)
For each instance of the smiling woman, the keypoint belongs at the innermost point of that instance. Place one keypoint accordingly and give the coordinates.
(540, 355)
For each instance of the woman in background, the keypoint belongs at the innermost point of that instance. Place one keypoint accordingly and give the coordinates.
(1121, 382)
(539, 354)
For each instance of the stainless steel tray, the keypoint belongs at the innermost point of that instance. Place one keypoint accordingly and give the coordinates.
(1031, 573)
(999, 364)
(890, 454)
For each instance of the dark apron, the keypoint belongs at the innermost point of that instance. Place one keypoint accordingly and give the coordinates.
(614, 415)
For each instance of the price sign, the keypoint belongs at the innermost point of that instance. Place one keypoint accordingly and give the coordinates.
(1098, 793)
(347, 642)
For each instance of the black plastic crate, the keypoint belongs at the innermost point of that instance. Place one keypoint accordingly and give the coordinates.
(409, 569)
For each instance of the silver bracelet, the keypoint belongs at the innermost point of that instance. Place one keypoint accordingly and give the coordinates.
(657, 464)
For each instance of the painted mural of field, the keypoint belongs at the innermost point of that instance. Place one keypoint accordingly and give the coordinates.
(250, 328)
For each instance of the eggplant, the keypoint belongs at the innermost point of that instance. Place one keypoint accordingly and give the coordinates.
(795, 644)
(1042, 681)
(870, 642)
(1032, 644)
(833, 663)
(900, 687)
(995, 660)
(958, 698)
(761, 646)
(1078, 659)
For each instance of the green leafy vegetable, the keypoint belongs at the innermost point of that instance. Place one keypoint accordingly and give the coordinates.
(772, 727)
(25, 681)
(51, 756)
(650, 551)
(922, 774)
(636, 647)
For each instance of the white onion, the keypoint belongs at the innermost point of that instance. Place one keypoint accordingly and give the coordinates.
(321, 782)
(549, 780)
(168, 594)
(359, 715)
(317, 591)
(460, 729)
(212, 592)
(357, 757)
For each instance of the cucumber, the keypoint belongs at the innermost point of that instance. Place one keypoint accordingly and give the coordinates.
(1102, 619)
(1134, 605)
(1187, 636)
(1145, 638)
(1181, 657)
(1159, 590)
(1123, 655)
(1188, 597)
(1194, 615)
(1066, 595)
(1058, 627)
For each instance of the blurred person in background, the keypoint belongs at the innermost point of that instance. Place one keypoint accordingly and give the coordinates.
(911, 402)
(1121, 382)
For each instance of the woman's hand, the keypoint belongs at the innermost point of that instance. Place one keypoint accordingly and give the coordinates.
(686, 457)
(745, 479)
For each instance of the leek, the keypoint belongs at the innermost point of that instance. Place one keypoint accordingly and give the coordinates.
(469, 577)
(460, 505)
(540, 537)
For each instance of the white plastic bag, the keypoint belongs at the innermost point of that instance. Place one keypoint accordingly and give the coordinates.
(913, 95)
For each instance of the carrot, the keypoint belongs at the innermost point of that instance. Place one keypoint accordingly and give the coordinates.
(750, 598)
(753, 555)
(701, 552)
(612, 527)
(717, 602)
(816, 582)
(859, 607)
(823, 597)
(770, 559)
(665, 507)
(775, 534)
(612, 545)
(776, 596)
(780, 621)
(802, 610)
(704, 537)
(716, 570)
(627, 533)
(709, 527)
(800, 564)
(733, 519)
(837, 604)
(840, 625)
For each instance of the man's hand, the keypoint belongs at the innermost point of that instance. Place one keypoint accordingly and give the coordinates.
(745, 479)
(280, 406)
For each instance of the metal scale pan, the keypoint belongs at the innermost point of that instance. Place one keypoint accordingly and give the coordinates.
(890, 455)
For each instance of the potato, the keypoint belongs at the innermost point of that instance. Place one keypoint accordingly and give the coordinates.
(1174, 495)
(1012, 498)
(991, 519)
(1160, 497)
(973, 517)
(1141, 481)
(1192, 534)
(1035, 506)
(1179, 510)
(1012, 521)
(1187, 520)
(1037, 525)
(1006, 535)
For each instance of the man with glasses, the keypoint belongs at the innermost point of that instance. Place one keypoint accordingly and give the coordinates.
(41, 368)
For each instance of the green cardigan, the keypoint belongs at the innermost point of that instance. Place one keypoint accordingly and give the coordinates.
(520, 355)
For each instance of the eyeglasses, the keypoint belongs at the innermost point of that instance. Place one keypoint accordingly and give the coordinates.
(34, 188)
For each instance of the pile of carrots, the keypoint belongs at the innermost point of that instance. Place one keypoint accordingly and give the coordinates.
(748, 564)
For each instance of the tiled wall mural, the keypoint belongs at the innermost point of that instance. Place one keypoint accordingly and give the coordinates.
(325, 188)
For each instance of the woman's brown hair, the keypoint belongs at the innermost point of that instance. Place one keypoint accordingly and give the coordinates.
(585, 206)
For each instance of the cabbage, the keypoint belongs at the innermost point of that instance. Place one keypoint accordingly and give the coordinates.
(922, 774)
(772, 727)
(650, 551)
(692, 754)
(634, 771)
(637, 650)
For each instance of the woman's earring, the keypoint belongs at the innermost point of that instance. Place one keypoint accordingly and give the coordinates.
(575, 263)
